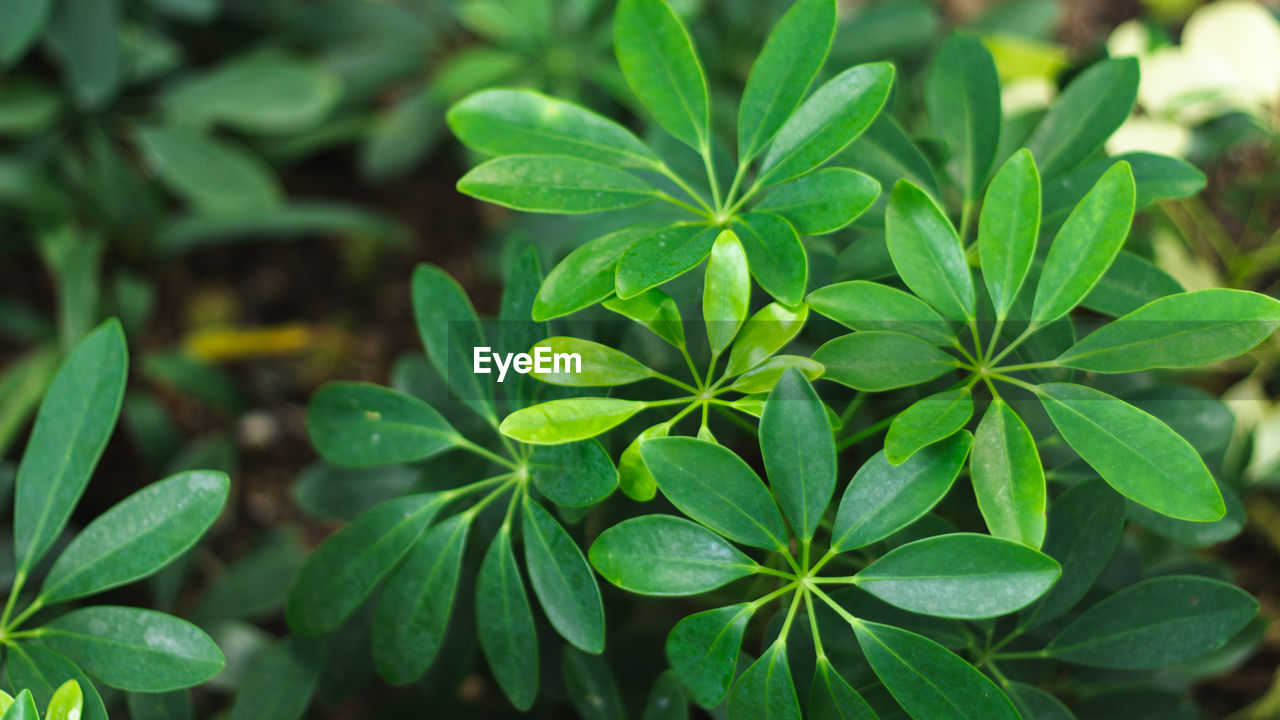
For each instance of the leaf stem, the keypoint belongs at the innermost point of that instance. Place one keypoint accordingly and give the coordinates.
(819, 653)
(682, 204)
(712, 181)
(866, 432)
(35, 607)
(1031, 329)
(1015, 381)
(852, 408)
(675, 177)
(454, 494)
(764, 570)
(834, 606)
(737, 180)
(678, 383)
(19, 579)
(791, 616)
(766, 599)
(1022, 655)
(1027, 366)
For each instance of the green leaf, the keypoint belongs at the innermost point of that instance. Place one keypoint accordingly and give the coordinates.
(23, 708)
(555, 184)
(214, 176)
(831, 118)
(712, 485)
(766, 375)
(413, 611)
(562, 580)
(363, 425)
(927, 421)
(523, 122)
(279, 683)
(881, 499)
(703, 651)
(880, 360)
(450, 332)
(591, 686)
(886, 153)
(831, 698)
(928, 253)
(660, 64)
(776, 255)
(1157, 177)
(1036, 704)
(84, 37)
(596, 365)
(662, 256)
(1179, 331)
(666, 555)
(1008, 479)
(67, 702)
(175, 705)
(137, 537)
(799, 452)
(42, 671)
(1139, 456)
(341, 573)
(655, 310)
(765, 691)
(24, 22)
(634, 477)
(726, 291)
(1085, 246)
(1092, 107)
(962, 98)
(822, 202)
(132, 649)
(1158, 622)
(507, 634)
(568, 420)
(586, 275)
(766, 332)
(1130, 283)
(1085, 525)
(862, 305)
(792, 55)
(666, 699)
(1009, 228)
(960, 575)
(573, 474)
(72, 427)
(268, 92)
(928, 680)
(400, 136)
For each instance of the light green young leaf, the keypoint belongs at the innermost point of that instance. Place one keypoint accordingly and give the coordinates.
(72, 427)
(1086, 245)
(555, 184)
(591, 686)
(568, 420)
(67, 702)
(767, 332)
(23, 708)
(562, 580)
(634, 477)
(822, 202)
(703, 651)
(573, 474)
(137, 537)
(214, 176)
(660, 64)
(267, 92)
(133, 649)
(356, 424)
(792, 55)
(666, 555)
(776, 255)
(962, 98)
(879, 360)
(1009, 228)
(1178, 331)
(450, 332)
(960, 575)
(712, 485)
(507, 634)
(42, 671)
(655, 310)
(765, 690)
(799, 452)
(1137, 454)
(662, 256)
(1093, 106)
(927, 421)
(1008, 479)
(596, 365)
(862, 305)
(24, 21)
(927, 252)
(882, 498)
(586, 275)
(726, 291)
(764, 376)
(279, 683)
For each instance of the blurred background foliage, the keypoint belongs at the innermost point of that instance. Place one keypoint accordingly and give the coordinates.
(246, 183)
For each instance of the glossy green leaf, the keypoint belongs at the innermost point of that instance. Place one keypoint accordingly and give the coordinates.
(887, 153)
(279, 683)
(882, 498)
(1157, 177)
(660, 64)
(1086, 245)
(84, 36)
(831, 698)
(573, 474)
(666, 699)
(962, 98)
(653, 309)
(1130, 283)
(42, 671)
(591, 686)
(586, 275)
(879, 360)
(450, 332)
(267, 92)
(662, 256)
(828, 120)
(927, 252)
(928, 680)
(1139, 456)
(1158, 622)
(507, 634)
(776, 255)
(413, 610)
(1097, 102)
(24, 21)
(562, 580)
(523, 122)
(862, 305)
(1008, 479)
(765, 376)
(790, 59)
(364, 425)
(341, 573)
(712, 485)
(765, 691)
(137, 537)
(1179, 331)
(726, 291)
(960, 575)
(1009, 228)
(132, 649)
(71, 430)
(23, 708)
(667, 555)
(703, 651)
(634, 478)
(766, 332)
(214, 176)
(596, 365)
(67, 702)
(927, 421)
(554, 184)
(822, 202)
(799, 452)
(568, 420)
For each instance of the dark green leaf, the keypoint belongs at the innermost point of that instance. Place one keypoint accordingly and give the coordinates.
(776, 255)
(703, 651)
(661, 256)
(666, 699)
(267, 92)
(43, 671)
(555, 184)
(1009, 228)
(573, 474)
(1129, 283)
(216, 177)
(660, 64)
(362, 425)
(1008, 479)
(862, 305)
(562, 580)
(880, 360)
(84, 35)
(799, 452)
(927, 421)
(962, 97)
(1036, 704)
(765, 691)
(928, 253)
(24, 21)
(831, 698)
(280, 682)
(1157, 177)
(174, 705)
(822, 202)
(666, 555)
(1097, 102)
(506, 630)
(591, 686)
(23, 708)
(586, 275)
(450, 332)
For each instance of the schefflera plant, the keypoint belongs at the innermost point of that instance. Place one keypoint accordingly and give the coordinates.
(67, 703)
(412, 546)
(122, 647)
(953, 575)
(557, 157)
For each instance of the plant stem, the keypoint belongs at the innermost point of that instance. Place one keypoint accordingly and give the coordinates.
(866, 432)
(852, 408)
(486, 453)
(454, 494)
(791, 616)
(1031, 329)
(1015, 381)
(674, 177)
(763, 570)
(819, 653)
(1028, 366)
(681, 204)
(35, 607)
(712, 181)
(678, 383)
(765, 600)
(19, 579)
